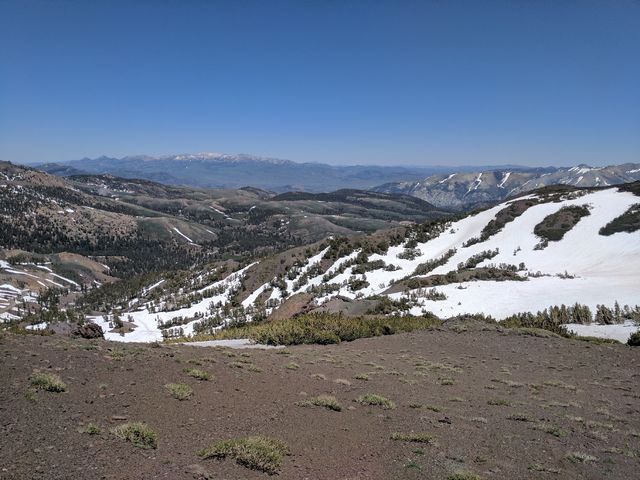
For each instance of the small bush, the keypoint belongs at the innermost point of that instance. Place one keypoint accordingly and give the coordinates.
(412, 437)
(327, 401)
(463, 476)
(48, 381)
(197, 373)
(256, 452)
(292, 366)
(550, 429)
(362, 376)
(579, 457)
(137, 433)
(181, 391)
(634, 339)
(520, 417)
(376, 400)
(92, 429)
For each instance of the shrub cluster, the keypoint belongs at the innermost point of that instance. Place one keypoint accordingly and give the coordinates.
(326, 328)
(256, 452)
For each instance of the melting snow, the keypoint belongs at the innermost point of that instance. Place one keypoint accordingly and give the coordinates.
(504, 179)
(448, 178)
(183, 235)
(616, 332)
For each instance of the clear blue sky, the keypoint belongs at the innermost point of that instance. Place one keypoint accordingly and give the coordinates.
(343, 82)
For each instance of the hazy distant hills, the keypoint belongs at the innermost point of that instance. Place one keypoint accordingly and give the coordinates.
(214, 170)
(463, 190)
(460, 188)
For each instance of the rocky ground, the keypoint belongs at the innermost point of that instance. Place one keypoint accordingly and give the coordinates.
(498, 405)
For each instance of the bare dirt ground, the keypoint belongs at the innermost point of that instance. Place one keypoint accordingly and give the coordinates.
(499, 405)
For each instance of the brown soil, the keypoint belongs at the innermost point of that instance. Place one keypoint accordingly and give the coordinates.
(587, 394)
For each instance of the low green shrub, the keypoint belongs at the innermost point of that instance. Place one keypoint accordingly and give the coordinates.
(197, 373)
(327, 401)
(181, 391)
(256, 452)
(137, 433)
(48, 381)
(634, 339)
(376, 400)
(92, 429)
(324, 328)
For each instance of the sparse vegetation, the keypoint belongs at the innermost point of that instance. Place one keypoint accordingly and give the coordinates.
(550, 429)
(256, 452)
(520, 417)
(197, 373)
(327, 401)
(324, 328)
(47, 381)
(376, 400)
(412, 437)
(180, 391)
(31, 395)
(580, 457)
(137, 433)
(462, 475)
(92, 429)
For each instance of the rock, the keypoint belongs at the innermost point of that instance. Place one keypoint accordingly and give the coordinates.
(88, 330)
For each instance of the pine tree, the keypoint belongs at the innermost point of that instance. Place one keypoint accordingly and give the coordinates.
(617, 315)
(604, 315)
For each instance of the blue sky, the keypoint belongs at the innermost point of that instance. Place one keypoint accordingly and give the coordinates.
(342, 82)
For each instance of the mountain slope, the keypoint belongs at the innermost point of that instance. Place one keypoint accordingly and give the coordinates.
(467, 190)
(546, 248)
(94, 229)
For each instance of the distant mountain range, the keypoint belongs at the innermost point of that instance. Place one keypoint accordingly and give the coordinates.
(216, 170)
(465, 190)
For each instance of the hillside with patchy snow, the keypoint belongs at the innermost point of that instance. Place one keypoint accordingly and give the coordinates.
(523, 255)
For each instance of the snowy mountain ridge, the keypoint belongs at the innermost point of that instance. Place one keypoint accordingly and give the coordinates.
(466, 190)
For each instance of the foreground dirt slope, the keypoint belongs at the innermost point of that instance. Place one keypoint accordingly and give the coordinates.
(498, 404)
